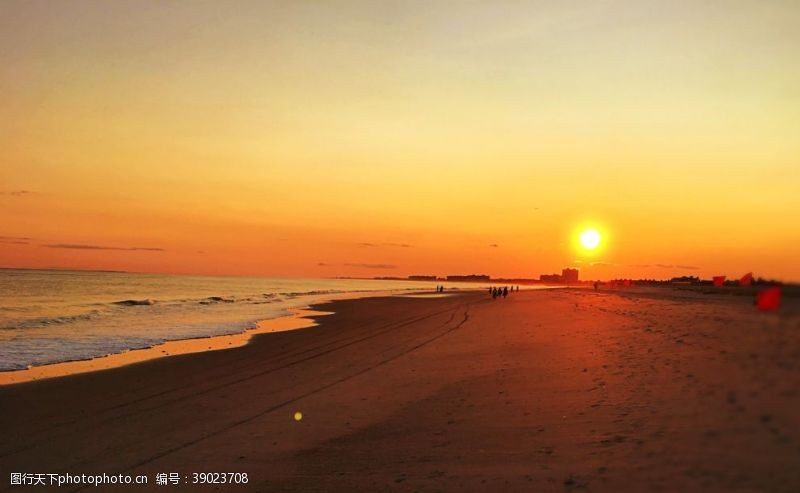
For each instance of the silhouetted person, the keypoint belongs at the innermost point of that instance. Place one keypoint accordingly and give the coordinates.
(505, 291)
(494, 293)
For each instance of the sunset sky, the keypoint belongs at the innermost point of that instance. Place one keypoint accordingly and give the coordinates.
(392, 138)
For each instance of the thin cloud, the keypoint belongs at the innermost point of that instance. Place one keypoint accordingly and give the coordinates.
(17, 193)
(15, 240)
(359, 265)
(494, 245)
(371, 266)
(671, 266)
(385, 244)
(594, 264)
(73, 246)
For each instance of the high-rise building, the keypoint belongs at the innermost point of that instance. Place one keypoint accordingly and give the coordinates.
(569, 276)
(551, 278)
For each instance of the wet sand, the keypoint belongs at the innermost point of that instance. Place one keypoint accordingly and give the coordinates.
(557, 390)
(299, 319)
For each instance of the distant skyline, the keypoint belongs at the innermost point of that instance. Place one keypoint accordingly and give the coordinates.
(395, 138)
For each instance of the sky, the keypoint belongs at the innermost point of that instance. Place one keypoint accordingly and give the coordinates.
(378, 138)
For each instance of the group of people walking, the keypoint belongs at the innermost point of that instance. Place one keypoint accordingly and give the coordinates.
(497, 292)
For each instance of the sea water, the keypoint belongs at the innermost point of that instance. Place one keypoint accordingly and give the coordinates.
(51, 316)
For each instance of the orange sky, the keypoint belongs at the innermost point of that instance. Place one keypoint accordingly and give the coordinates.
(396, 138)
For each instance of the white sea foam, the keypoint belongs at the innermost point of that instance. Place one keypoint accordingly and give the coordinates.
(54, 316)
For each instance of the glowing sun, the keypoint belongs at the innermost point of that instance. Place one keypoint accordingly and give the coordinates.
(590, 239)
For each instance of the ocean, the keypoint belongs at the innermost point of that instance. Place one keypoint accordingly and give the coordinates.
(52, 316)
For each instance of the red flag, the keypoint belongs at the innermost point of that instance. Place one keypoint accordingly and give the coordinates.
(719, 281)
(769, 299)
(746, 279)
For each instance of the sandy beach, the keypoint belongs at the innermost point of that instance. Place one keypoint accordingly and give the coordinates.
(256, 246)
(637, 390)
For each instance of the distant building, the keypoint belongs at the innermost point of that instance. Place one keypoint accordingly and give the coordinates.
(685, 280)
(469, 278)
(569, 276)
(551, 278)
(421, 278)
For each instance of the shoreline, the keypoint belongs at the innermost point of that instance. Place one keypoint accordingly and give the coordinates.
(297, 319)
